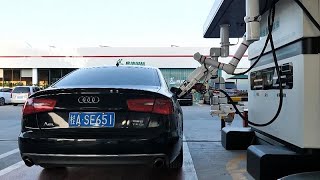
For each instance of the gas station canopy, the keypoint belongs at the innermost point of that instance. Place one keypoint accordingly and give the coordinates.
(228, 12)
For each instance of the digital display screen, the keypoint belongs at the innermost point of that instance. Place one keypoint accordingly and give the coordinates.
(266, 79)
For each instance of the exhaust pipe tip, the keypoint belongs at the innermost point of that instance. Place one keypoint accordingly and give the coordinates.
(158, 163)
(28, 162)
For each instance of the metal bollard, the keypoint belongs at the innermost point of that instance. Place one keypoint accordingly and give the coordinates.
(245, 114)
(223, 123)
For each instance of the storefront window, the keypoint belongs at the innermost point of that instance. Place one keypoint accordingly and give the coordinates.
(43, 77)
(55, 75)
(7, 74)
(47, 77)
(23, 77)
(26, 81)
(11, 78)
(16, 75)
(66, 71)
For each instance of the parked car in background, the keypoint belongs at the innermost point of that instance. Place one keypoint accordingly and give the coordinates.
(230, 88)
(186, 100)
(20, 94)
(5, 96)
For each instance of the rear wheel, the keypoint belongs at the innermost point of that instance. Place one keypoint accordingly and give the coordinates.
(2, 101)
(177, 163)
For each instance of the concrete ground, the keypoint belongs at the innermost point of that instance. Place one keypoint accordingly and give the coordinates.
(204, 157)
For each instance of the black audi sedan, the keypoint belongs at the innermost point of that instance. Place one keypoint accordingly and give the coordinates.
(102, 116)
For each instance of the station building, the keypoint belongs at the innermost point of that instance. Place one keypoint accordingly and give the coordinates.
(42, 67)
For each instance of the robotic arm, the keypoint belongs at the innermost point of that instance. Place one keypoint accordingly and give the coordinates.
(204, 72)
(215, 54)
(208, 69)
(210, 65)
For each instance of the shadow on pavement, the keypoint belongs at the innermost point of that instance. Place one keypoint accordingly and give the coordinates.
(112, 173)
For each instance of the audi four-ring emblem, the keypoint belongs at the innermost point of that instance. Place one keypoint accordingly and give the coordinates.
(88, 99)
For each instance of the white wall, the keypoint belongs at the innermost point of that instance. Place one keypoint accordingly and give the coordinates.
(161, 57)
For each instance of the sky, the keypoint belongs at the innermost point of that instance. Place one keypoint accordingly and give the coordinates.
(117, 23)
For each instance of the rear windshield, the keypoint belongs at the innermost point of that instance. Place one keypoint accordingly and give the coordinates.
(111, 76)
(5, 90)
(21, 90)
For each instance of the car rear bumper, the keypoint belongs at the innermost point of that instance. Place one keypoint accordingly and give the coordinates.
(72, 152)
(85, 159)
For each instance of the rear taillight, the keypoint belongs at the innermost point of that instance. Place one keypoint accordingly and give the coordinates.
(37, 105)
(163, 106)
(142, 105)
(159, 106)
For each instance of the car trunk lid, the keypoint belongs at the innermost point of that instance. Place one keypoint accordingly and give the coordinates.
(121, 105)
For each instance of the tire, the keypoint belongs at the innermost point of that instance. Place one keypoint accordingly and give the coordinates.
(15, 104)
(2, 101)
(177, 163)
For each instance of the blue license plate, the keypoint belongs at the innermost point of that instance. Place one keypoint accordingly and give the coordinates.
(91, 119)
